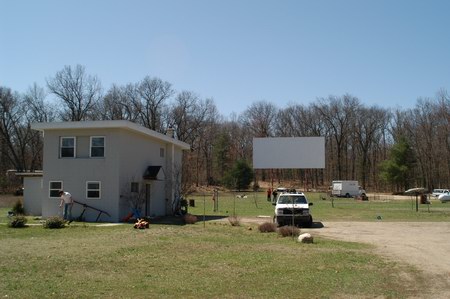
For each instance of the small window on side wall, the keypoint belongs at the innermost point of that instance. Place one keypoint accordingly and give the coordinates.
(161, 152)
(134, 187)
(67, 147)
(97, 146)
(54, 188)
(93, 190)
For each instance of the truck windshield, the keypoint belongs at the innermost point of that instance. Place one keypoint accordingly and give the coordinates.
(296, 199)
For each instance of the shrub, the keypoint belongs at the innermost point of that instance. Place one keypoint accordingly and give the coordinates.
(287, 231)
(18, 208)
(190, 219)
(234, 221)
(17, 221)
(54, 222)
(267, 227)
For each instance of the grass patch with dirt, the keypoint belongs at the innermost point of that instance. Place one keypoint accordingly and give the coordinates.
(187, 261)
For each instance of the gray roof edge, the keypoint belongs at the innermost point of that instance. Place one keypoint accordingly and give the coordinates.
(30, 174)
(108, 124)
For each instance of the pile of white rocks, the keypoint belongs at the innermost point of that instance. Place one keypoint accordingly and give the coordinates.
(305, 238)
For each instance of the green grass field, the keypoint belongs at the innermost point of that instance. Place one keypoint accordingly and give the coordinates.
(208, 260)
(322, 210)
(190, 261)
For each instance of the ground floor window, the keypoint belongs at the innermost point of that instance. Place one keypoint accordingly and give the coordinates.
(134, 187)
(93, 190)
(54, 188)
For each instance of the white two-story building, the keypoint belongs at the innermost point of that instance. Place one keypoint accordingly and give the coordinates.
(106, 165)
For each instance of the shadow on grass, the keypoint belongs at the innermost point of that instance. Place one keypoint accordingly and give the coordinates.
(179, 220)
(316, 225)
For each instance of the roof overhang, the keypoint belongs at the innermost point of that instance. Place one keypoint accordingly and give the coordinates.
(29, 174)
(151, 173)
(108, 124)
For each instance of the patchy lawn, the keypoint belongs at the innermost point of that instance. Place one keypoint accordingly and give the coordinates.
(167, 261)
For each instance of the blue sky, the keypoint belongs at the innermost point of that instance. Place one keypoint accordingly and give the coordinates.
(386, 53)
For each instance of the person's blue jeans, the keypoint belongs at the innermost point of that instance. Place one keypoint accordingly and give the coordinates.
(67, 215)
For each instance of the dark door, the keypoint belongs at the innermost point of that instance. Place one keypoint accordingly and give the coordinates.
(147, 200)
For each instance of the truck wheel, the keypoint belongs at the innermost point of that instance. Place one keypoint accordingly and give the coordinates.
(309, 223)
(347, 195)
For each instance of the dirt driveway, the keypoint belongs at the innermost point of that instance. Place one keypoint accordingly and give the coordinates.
(425, 245)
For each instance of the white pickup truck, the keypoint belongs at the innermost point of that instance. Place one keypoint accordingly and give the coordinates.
(292, 209)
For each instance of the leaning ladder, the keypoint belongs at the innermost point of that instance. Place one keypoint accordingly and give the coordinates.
(86, 206)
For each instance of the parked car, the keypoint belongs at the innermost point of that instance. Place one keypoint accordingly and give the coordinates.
(444, 197)
(437, 192)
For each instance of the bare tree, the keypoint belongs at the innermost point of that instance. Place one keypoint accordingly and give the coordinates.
(195, 122)
(153, 94)
(15, 132)
(338, 114)
(298, 121)
(259, 118)
(39, 110)
(443, 129)
(186, 116)
(117, 104)
(370, 123)
(207, 136)
(133, 192)
(78, 92)
(423, 125)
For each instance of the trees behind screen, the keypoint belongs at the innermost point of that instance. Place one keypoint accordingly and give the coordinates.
(358, 138)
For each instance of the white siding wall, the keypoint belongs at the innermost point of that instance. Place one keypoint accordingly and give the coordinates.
(137, 153)
(32, 196)
(127, 156)
(75, 172)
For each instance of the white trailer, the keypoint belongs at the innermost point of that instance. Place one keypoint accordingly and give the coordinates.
(346, 189)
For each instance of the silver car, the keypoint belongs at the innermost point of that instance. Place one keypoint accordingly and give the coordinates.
(444, 197)
(437, 192)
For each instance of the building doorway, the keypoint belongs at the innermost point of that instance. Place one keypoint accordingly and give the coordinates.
(147, 199)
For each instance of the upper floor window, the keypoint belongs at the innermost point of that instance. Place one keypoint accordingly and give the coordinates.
(161, 152)
(97, 146)
(67, 147)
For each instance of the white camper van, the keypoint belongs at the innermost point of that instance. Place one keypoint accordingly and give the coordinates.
(346, 189)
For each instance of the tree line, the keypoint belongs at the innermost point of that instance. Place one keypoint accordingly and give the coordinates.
(384, 149)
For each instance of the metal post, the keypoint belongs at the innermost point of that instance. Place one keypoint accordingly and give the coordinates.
(234, 205)
(216, 200)
(204, 210)
(417, 202)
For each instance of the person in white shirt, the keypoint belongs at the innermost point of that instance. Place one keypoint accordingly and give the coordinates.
(66, 199)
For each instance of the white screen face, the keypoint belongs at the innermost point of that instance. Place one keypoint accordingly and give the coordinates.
(289, 152)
